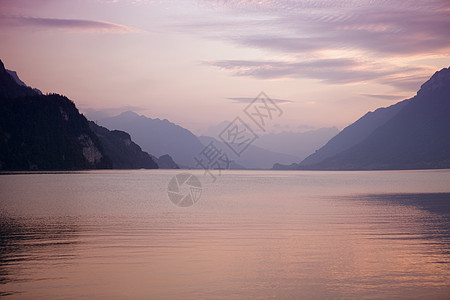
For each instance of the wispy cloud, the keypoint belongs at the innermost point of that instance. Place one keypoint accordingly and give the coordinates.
(335, 41)
(382, 27)
(66, 24)
(248, 100)
(333, 71)
(384, 97)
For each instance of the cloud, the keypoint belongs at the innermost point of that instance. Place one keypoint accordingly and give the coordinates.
(283, 6)
(337, 42)
(248, 100)
(384, 97)
(376, 29)
(66, 24)
(380, 27)
(407, 82)
(333, 71)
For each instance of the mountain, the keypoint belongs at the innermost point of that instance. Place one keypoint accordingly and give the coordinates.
(123, 152)
(16, 78)
(44, 132)
(281, 148)
(161, 137)
(158, 137)
(252, 158)
(166, 162)
(298, 144)
(413, 134)
(47, 133)
(354, 133)
(9, 87)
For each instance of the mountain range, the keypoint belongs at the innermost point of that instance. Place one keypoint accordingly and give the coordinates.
(44, 132)
(47, 132)
(298, 144)
(124, 153)
(290, 146)
(162, 136)
(252, 158)
(157, 136)
(412, 134)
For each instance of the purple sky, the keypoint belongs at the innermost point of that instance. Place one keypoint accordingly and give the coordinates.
(198, 63)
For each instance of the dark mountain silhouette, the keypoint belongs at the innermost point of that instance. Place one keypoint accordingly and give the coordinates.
(158, 137)
(40, 132)
(413, 134)
(16, 78)
(355, 133)
(279, 166)
(9, 87)
(20, 82)
(123, 152)
(166, 162)
(47, 133)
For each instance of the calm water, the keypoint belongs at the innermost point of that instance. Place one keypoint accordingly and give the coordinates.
(253, 234)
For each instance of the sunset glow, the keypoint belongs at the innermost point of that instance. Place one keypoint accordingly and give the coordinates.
(184, 60)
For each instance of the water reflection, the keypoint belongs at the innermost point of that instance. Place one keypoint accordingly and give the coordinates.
(428, 224)
(329, 235)
(438, 203)
(30, 242)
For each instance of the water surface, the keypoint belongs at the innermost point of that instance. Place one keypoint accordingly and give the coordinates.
(253, 234)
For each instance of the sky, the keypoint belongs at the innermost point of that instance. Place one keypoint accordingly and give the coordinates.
(199, 62)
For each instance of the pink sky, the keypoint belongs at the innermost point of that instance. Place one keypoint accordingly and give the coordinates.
(197, 62)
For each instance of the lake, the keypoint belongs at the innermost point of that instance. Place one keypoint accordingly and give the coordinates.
(250, 235)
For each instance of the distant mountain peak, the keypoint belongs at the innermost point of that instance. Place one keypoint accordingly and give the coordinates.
(439, 80)
(124, 153)
(16, 77)
(11, 86)
(412, 134)
(157, 136)
(128, 113)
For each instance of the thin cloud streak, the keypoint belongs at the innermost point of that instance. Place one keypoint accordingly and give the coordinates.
(347, 41)
(380, 28)
(248, 100)
(384, 97)
(332, 71)
(66, 24)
